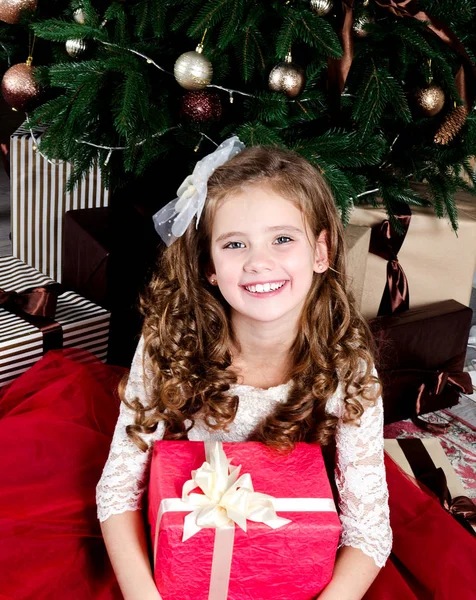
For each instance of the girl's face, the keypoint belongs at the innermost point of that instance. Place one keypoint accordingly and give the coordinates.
(263, 258)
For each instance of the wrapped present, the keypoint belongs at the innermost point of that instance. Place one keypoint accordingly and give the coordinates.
(108, 255)
(36, 315)
(437, 263)
(87, 254)
(39, 199)
(420, 358)
(426, 461)
(215, 537)
(357, 240)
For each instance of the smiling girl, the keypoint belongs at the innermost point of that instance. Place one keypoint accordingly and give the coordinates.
(251, 333)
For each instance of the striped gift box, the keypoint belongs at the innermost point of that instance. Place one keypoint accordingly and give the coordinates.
(85, 325)
(39, 200)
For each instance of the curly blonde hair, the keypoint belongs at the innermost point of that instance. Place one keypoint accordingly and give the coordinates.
(188, 334)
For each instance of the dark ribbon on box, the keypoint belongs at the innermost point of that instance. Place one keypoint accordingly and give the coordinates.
(462, 508)
(433, 383)
(386, 242)
(37, 306)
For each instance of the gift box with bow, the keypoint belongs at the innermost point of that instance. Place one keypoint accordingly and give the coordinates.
(37, 315)
(424, 262)
(420, 359)
(215, 537)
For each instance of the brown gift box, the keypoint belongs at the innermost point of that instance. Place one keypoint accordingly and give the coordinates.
(420, 358)
(108, 255)
(438, 264)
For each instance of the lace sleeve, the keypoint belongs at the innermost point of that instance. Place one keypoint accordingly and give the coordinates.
(125, 475)
(361, 483)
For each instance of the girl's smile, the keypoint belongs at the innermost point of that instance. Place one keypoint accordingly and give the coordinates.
(265, 289)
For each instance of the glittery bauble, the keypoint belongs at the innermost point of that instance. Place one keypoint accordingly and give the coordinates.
(201, 106)
(11, 10)
(430, 99)
(79, 16)
(75, 47)
(288, 78)
(360, 24)
(321, 7)
(193, 70)
(19, 87)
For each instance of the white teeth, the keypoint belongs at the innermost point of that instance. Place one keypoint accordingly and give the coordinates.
(261, 288)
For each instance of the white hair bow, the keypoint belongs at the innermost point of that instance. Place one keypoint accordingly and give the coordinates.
(173, 219)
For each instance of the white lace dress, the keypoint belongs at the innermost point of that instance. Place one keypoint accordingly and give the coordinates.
(359, 473)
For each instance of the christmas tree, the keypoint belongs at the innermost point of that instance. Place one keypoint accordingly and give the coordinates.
(375, 93)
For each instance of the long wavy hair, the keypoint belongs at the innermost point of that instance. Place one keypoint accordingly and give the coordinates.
(188, 334)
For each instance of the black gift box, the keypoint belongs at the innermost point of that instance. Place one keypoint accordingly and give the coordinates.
(108, 255)
(420, 358)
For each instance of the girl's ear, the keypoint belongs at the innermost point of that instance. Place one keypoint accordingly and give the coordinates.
(210, 274)
(321, 256)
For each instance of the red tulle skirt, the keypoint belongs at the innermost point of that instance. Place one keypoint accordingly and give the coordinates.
(56, 425)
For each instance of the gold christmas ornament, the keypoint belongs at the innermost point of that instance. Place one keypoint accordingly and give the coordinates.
(430, 99)
(19, 87)
(321, 7)
(193, 70)
(452, 125)
(75, 47)
(360, 25)
(79, 16)
(11, 10)
(287, 77)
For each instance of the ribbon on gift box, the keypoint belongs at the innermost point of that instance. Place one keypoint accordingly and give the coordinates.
(434, 383)
(386, 241)
(434, 478)
(228, 499)
(37, 306)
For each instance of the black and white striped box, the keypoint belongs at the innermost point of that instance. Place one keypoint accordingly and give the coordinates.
(39, 200)
(84, 325)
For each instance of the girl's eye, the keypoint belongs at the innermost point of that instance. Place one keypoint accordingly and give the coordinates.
(233, 245)
(283, 239)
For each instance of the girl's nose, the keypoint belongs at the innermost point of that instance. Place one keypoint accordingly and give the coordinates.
(259, 260)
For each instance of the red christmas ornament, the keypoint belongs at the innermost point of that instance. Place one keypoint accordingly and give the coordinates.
(201, 106)
(11, 10)
(19, 87)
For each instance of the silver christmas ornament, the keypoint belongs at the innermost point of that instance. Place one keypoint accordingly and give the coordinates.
(287, 77)
(79, 16)
(321, 7)
(360, 24)
(193, 70)
(75, 47)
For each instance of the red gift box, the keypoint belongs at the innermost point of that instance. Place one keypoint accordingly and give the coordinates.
(293, 561)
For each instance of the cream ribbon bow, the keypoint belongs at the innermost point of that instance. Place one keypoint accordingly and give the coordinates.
(227, 497)
(172, 220)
